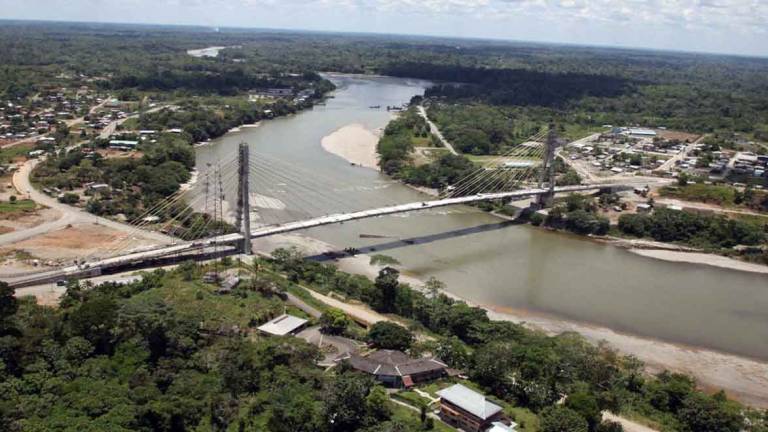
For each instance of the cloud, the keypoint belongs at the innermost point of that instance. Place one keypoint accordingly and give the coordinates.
(737, 15)
(708, 25)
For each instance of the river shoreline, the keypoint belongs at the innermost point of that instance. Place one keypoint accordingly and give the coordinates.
(743, 378)
(740, 376)
(357, 145)
(701, 258)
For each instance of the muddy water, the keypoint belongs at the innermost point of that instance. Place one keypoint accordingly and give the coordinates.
(485, 260)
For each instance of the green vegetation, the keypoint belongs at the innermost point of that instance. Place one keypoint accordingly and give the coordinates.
(386, 335)
(380, 259)
(170, 353)
(722, 194)
(167, 353)
(334, 321)
(481, 129)
(17, 206)
(9, 154)
(577, 214)
(698, 230)
(395, 148)
(531, 370)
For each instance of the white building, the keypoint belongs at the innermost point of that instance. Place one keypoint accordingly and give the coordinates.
(283, 325)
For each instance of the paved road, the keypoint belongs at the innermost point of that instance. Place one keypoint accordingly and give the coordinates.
(671, 162)
(301, 304)
(577, 165)
(708, 207)
(112, 127)
(434, 129)
(69, 214)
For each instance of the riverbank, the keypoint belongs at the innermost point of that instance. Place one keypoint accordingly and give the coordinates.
(355, 144)
(682, 254)
(742, 378)
(531, 269)
(666, 251)
(701, 258)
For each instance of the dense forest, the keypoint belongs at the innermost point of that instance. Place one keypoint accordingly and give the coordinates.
(694, 92)
(136, 358)
(530, 369)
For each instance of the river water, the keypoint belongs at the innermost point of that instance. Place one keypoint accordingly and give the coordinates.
(485, 260)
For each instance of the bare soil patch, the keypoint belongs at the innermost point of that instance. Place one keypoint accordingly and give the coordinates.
(677, 135)
(76, 242)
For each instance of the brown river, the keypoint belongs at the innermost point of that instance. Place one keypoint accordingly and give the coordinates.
(486, 260)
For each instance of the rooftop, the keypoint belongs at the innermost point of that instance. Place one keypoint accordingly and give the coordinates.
(282, 325)
(394, 363)
(469, 400)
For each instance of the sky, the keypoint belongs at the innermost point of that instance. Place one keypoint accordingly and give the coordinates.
(717, 26)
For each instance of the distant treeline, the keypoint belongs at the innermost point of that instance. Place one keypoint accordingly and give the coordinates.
(215, 78)
(511, 86)
(582, 86)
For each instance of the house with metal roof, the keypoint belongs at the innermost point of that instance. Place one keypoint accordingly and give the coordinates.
(397, 369)
(283, 325)
(467, 409)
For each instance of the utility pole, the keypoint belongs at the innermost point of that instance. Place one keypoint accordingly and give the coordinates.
(243, 199)
(548, 169)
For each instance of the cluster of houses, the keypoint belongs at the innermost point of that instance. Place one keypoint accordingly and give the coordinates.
(38, 116)
(723, 163)
(615, 158)
(300, 97)
(103, 118)
(140, 136)
(751, 164)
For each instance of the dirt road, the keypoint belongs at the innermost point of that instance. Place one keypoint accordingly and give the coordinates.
(69, 215)
(628, 425)
(435, 131)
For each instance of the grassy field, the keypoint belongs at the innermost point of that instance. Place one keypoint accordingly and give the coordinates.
(411, 417)
(713, 194)
(722, 195)
(422, 142)
(194, 298)
(8, 154)
(17, 207)
(575, 132)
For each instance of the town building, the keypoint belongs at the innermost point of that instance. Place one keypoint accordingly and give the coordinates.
(283, 325)
(273, 92)
(123, 144)
(501, 427)
(642, 133)
(397, 369)
(467, 409)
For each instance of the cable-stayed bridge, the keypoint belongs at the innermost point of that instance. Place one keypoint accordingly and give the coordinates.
(273, 197)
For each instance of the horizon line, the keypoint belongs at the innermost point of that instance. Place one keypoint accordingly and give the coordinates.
(497, 40)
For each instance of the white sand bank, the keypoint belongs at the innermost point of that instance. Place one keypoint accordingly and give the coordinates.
(701, 258)
(355, 144)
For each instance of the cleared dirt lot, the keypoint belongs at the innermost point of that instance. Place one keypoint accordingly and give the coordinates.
(77, 241)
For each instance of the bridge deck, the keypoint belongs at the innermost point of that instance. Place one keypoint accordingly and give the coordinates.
(265, 231)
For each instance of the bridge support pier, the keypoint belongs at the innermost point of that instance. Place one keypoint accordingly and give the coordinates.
(243, 199)
(548, 170)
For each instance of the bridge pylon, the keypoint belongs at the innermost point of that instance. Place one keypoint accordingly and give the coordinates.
(547, 175)
(243, 198)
